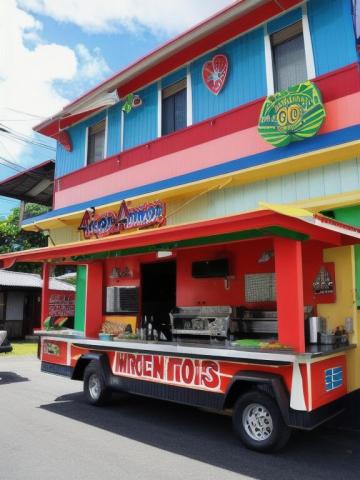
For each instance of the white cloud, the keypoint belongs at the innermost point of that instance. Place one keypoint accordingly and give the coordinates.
(32, 72)
(160, 16)
(92, 66)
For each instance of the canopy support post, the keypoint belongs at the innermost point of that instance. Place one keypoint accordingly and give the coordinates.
(289, 292)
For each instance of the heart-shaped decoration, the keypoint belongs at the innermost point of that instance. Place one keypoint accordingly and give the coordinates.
(214, 73)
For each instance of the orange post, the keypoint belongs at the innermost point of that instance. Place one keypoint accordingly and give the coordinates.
(289, 292)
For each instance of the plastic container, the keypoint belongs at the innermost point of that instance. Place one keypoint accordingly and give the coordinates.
(106, 337)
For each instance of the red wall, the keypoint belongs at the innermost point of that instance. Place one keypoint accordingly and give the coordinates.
(211, 291)
(312, 253)
(243, 258)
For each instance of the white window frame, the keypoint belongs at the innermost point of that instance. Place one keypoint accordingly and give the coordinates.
(87, 139)
(309, 54)
(189, 109)
(159, 108)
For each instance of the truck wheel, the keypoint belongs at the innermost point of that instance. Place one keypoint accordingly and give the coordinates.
(258, 422)
(95, 390)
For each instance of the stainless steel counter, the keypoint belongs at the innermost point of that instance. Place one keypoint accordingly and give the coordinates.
(214, 350)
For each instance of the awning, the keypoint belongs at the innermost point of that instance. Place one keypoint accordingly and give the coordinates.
(261, 223)
(34, 185)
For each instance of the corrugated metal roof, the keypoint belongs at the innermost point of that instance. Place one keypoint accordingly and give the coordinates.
(30, 280)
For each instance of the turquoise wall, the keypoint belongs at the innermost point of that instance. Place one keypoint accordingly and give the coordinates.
(113, 133)
(246, 79)
(173, 77)
(140, 125)
(67, 162)
(284, 20)
(332, 34)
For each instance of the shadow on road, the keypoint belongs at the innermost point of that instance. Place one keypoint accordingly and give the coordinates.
(11, 377)
(206, 437)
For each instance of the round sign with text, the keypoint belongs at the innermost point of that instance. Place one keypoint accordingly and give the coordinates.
(291, 115)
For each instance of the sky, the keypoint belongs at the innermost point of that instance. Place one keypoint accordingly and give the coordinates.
(51, 51)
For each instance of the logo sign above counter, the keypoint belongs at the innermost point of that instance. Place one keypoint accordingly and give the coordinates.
(109, 223)
(291, 115)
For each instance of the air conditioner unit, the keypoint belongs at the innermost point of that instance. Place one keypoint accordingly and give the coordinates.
(122, 299)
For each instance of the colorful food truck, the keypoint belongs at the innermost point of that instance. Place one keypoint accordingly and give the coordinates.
(208, 197)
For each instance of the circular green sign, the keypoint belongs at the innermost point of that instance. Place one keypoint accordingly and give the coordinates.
(291, 115)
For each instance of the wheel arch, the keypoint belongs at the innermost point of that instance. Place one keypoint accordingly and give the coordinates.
(86, 359)
(270, 383)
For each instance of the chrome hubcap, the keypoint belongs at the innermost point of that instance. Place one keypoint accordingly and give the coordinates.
(257, 422)
(94, 386)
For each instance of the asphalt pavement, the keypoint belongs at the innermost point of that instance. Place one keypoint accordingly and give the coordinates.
(47, 431)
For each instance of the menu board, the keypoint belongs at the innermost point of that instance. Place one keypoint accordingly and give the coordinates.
(62, 304)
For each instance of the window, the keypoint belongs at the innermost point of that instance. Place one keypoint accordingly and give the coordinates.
(96, 142)
(288, 53)
(173, 108)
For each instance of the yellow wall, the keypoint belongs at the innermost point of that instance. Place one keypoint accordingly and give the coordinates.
(64, 235)
(345, 305)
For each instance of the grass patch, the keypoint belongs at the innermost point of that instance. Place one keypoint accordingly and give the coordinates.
(23, 348)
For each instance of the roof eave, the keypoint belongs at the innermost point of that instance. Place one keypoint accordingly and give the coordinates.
(200, 30)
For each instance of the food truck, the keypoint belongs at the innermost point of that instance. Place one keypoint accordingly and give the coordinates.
(209, 203)
(224, 321)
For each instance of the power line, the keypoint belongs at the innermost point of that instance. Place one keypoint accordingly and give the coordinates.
(13, 165)
(25, 113)
(23, 138)
(16, 120)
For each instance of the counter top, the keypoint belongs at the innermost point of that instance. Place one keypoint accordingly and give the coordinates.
(214, 349)
(323, 350)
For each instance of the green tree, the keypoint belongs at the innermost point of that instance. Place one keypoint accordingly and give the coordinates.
(13, 239)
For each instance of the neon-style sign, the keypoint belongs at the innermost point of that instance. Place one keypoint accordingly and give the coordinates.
(109, 223)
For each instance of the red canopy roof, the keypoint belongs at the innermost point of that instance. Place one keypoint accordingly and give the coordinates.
(259, 223)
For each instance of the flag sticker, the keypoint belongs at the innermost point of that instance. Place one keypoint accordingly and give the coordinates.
(333, 378)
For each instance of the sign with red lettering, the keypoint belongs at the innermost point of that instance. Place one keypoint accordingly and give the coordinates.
(185, 372)
(109, 223)
(62, 304)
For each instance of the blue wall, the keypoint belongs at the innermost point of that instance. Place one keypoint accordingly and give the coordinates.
(332, 34)
(113, 133)
(173, 77)
(246, 78)
(284, 21)
(333, 42)
(67, 162)
(140, 125)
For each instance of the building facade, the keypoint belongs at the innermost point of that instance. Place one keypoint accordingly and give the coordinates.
(214, 147)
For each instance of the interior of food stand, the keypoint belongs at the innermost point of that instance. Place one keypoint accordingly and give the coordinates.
(194, 282)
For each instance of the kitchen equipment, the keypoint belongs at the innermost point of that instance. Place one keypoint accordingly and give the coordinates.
(349, 325)
(316, 326)
(202, 321)
(327, 339)
(257, 321)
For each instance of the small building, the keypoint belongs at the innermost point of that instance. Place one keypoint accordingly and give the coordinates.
(20, 301)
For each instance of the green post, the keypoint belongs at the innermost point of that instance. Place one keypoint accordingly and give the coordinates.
(80, 300)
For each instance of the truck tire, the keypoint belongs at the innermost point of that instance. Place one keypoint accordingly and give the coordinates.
(258, 422)
(95, 390)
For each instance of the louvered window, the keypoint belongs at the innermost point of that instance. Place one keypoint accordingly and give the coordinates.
(174, 107)
(289, 63)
